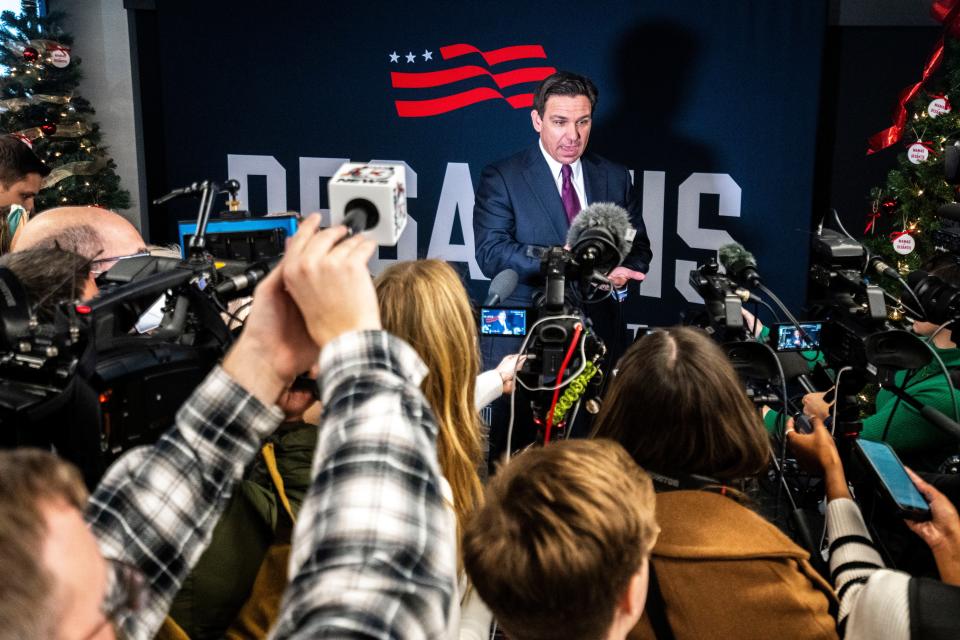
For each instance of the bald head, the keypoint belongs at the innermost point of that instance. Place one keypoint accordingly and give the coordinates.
(117, 237)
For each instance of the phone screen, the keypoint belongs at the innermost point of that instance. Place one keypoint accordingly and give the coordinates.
(890, 470)
(790, 338)
(499, 321)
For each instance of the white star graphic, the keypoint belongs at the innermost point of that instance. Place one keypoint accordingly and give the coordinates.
(394, 57)
(411, 57)
(427, 55)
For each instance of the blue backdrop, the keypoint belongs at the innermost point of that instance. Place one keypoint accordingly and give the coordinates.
(712, 103)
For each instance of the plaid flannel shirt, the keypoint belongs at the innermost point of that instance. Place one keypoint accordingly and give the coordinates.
(373, 548)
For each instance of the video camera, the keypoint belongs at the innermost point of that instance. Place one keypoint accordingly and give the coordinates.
(92, 381)
(563, 351)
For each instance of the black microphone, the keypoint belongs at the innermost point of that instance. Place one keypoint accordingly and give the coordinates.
(248, 279)
(360, 215)
(740, 264)
(601, 236)
(950, 211)
(501, 287)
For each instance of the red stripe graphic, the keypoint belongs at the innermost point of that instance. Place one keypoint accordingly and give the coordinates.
(496, 56)
(436, 106)
(402, 80)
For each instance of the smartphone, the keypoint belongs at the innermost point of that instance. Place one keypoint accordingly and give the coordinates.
(785, 336)
(503, 321)
(892, 479)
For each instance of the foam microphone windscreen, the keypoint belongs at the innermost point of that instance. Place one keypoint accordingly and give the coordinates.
(501, 287)
(606, 215)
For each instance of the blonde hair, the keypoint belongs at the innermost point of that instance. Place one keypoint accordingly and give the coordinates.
(425, 303)
(563, 530)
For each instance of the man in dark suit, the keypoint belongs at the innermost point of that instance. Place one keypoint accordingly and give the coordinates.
(526, 202)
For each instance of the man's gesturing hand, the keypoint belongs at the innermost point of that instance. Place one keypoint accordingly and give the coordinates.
(330, 282)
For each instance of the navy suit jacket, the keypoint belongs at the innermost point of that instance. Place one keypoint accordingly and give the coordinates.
(518, 212)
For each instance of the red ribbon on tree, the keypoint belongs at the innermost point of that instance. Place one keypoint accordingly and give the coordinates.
(874, 215)
(897, 234)
(948, 13)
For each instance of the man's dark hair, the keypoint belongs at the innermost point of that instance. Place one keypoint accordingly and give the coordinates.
(564, 83)
(81, 239)
(49, 275)
(17, 160)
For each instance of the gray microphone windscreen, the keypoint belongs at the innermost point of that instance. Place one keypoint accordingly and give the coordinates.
(611, 217)
(502, 286)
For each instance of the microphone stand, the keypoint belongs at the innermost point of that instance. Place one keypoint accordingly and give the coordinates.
(208, 191)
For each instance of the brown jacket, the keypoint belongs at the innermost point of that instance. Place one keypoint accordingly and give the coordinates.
(725, 572)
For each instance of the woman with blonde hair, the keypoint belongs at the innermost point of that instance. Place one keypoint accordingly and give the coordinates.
(424, 302)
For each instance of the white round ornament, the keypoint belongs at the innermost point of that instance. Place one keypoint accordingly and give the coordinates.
(918, 153)
(60, 57)
(904, 244)
(937, 107)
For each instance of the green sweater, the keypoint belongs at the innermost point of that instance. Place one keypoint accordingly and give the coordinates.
(910, 434)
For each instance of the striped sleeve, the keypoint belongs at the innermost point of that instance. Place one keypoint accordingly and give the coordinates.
(873, 600)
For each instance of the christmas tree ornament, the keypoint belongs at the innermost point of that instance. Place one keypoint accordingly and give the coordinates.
(903, 242)
(48, 128)
(30, 54)
(59, 56)
(938, 106)
(919, 152)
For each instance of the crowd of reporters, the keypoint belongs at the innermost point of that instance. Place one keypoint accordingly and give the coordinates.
(361, 507)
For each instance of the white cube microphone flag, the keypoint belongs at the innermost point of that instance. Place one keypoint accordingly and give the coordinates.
(370, 198)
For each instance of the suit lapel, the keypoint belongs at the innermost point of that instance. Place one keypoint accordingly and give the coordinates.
(541, 183)
(594, 181)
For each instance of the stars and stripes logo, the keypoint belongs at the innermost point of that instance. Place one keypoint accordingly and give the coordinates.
(447, 88)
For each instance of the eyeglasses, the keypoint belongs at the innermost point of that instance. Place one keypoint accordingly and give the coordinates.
(125, 595)
(114, 260)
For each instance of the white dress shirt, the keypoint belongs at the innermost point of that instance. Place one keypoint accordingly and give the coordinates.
(576, 176)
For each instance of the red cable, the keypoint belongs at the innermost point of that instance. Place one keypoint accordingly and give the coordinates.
(577, 330)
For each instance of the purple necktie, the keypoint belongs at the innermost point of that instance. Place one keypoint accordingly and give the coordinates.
(571, 203)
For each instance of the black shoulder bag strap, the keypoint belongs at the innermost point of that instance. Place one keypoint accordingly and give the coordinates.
(656, 608)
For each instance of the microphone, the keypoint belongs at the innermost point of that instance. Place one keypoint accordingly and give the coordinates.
(601, 236)
(739, 264)
(501, 287)
(248, 279)
(950, 211)
(370, 199)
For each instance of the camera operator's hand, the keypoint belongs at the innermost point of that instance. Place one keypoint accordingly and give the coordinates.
(815, 406)
(508, 368)
(274, 346)
(330, 282)
(817, 453)
(942, 533)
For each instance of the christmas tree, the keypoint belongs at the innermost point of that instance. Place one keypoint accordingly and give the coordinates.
(902, 221)
(39, 104)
